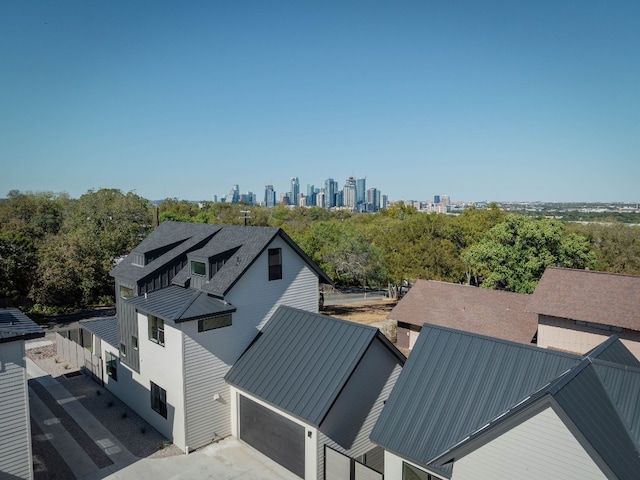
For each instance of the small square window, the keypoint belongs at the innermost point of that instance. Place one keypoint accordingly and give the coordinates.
(123, 350)
(275, 264)
(126, 292)
(159, 399)
(134, 342)
(198, 268)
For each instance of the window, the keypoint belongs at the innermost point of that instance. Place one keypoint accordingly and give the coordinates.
(134, 342)
(159, 399)
(126, 292)
(214, 322)
(112, 365)
(198, 268)
(156, 330)
(409, 472)
(275, 263)
(123, 350)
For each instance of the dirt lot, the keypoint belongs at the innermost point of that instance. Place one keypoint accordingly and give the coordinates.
(362, 312)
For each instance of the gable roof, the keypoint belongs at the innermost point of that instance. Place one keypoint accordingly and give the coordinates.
(180, 304)
(180, 239)
(597, 297)
(477, 310)
(301, 361)
(468, 385)
(15, 325)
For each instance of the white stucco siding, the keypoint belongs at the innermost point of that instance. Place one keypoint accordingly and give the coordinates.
(162, 365)
(15, 440)
(564, 334)
(541, 447)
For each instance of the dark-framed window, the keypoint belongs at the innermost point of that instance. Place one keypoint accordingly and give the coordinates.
(212, 323)
(409, 472)
(126, 292)
(159, 399)
(112, 365)
(156, 330)
(134, 342)
(123, 350)
(275, 263)
(198, 268)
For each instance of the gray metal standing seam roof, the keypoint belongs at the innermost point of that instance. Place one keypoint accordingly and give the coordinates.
(302, 360)
(105, 328)
(207, 241)
(601, 398)
(15, 325)
(180, 304)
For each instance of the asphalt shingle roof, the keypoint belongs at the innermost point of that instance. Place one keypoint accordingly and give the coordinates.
(477, 310)
(302, 360)
(597, 297)
(15, 325)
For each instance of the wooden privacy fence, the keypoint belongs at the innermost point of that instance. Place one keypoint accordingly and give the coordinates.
(338, 466)
(80, 356)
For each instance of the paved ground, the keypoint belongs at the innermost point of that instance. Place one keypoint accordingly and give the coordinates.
(70, 442)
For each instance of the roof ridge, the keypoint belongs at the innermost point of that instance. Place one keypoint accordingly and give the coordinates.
(186, 306)
(586, 270)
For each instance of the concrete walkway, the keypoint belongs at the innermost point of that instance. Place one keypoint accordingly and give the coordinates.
(80, 463)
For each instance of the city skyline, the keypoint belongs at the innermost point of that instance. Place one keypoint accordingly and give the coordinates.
(486, 101)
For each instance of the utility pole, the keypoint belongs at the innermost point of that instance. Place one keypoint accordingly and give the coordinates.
(245, 216)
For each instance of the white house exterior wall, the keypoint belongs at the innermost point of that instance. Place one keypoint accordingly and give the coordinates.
(209, 355)
(563, 334)
(162, 366)
(15, 441)
(377, 364)
(311, 437)
(541, 447)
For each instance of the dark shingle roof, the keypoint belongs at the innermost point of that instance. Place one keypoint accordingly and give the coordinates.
(302, 360)
(468, 385)
(462, 381)
(597, 297)
(104, 328)
(205, 240)
(180, 304)
(15, 325)
(477, 310)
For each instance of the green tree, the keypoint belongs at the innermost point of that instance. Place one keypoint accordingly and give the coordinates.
(616, 246)
(514, 254)
(18, 265)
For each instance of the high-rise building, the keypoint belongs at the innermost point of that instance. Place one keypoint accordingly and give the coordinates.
(321, 199)
(446, 201)
(436, 199)
(269, 196)
(234, 195)
(295, 191)
(361, 191)
(384, 203)
(311, 196)
(330, 190)
(349, 195)
(372, 196)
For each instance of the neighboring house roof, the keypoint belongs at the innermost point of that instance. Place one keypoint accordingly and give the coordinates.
(104, 328)
(477, 310)
(15, 325)
(468, 385)
(301, 361)
(597, 297)
(206, 240)
(180, 304)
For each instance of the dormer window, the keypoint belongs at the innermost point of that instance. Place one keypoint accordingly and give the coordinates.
(198, 268)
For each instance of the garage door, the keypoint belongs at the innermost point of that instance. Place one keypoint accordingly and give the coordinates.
(272, 434)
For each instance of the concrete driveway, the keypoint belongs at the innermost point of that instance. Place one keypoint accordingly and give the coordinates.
(225, 460)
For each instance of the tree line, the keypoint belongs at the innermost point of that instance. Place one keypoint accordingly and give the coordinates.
(56, 252)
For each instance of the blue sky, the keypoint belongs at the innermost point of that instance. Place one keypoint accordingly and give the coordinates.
(480, 100)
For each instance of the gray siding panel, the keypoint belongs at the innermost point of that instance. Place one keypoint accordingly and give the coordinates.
(127, 327)
(15, 442)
